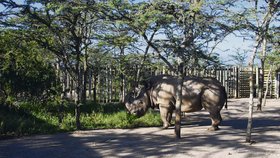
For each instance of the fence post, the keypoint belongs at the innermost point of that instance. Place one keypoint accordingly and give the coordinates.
(257, 81)
(277, 87)
(236, 73)
(90, 84)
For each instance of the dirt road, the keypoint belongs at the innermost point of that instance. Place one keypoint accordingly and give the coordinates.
(196, 141)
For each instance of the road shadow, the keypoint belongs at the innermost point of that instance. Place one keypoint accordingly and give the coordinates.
(196, 141)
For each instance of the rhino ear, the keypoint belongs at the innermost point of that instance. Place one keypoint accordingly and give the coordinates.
(128, 98)
(147, 85)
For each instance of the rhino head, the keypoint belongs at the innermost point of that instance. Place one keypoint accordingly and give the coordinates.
(138, 105)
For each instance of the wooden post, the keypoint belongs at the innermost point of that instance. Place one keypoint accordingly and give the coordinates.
(257, 81)
(98, 87)
(268, 85)
(71, 85)
(90, 84)
(179, 99)
(106, 95)
(110, 84)
(277, 87)
(236, 74)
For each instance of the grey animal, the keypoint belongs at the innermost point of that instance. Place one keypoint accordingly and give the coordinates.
(197, 93)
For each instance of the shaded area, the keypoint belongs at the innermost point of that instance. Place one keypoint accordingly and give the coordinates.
(130, 143)
(60, 145)
(29, 119)
(16, 122)
(154, 142)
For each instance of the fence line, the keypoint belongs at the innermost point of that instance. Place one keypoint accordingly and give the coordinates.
(109, 85)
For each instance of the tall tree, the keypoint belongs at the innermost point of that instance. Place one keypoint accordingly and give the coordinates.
(259, 25)
(62, 27)
(26, 69)
(176, 29)
(170, 28)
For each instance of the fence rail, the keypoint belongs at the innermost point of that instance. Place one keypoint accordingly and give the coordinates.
(109, 85)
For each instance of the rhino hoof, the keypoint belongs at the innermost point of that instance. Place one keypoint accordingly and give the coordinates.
(165, 126)
(213, 128)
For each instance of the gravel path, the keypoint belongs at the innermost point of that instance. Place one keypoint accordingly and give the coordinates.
(154, 142)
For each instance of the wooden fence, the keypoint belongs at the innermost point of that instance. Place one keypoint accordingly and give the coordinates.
(110, 86)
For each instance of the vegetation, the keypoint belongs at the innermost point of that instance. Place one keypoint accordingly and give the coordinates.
(27, 118)
(41, 42)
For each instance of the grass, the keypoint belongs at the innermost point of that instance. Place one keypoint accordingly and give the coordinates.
(28, 119)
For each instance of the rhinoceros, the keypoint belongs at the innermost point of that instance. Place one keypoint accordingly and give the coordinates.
(197, 93)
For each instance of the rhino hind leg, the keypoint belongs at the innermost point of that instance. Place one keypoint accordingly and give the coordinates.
(165, 116)
(216, 120)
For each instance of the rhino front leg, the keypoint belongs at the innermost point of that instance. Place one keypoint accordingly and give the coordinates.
(165, 116)
(169, 114)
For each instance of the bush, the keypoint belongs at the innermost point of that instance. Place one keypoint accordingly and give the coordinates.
(19, 122)
(27, 118)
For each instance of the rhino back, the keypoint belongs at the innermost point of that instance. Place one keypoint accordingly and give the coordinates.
(164, 87)
(163, 92)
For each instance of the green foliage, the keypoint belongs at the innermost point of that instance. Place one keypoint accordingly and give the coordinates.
(26, 73)
(20, 121)
(27, 118)
(273, 58)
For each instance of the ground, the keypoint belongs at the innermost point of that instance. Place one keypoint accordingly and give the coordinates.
(196, 141)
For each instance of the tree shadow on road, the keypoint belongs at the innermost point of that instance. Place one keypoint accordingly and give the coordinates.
(196, 141)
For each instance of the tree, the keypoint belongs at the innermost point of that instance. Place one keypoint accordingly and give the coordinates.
(65, 29)
(118, 39)
(186, 29)
(26, 73)
(251, 20)
(272, 60)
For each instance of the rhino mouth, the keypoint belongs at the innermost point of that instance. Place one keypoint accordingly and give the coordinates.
(137, 112)
(135, 106)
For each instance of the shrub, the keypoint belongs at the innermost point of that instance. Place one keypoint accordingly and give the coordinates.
(28, 118)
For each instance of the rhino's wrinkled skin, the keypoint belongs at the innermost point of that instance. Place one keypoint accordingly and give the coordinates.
(197, 93)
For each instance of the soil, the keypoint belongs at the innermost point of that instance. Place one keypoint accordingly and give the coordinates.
(195, 140)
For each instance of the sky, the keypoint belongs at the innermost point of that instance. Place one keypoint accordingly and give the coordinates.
(230, 45)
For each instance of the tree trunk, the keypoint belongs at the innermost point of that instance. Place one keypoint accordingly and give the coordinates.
(261, 82)
(179, 100)
(122, 88)
(251, 105)
(110, 84)
(85, 81)
(95, 78)
(78, 103)
(122, 76)
(79, 92)
(260, 90)
(90, 84)
(77, 116)
(251, 83)
(60, 80)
